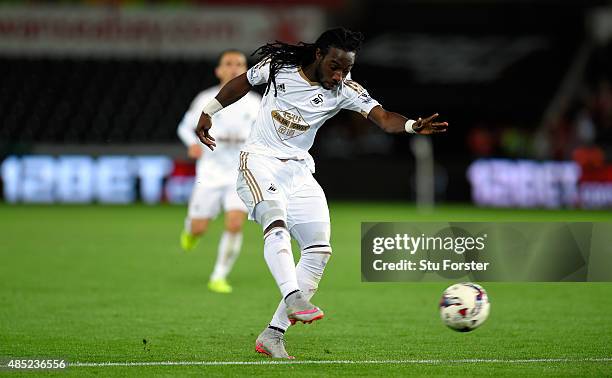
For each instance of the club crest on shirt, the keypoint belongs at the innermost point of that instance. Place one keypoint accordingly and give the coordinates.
(317, 100)
(289, 123)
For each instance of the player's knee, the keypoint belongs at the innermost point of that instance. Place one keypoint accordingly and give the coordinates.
(316, 250)
(268, 212)
(199, 227)
(233, 227)
(233, 223)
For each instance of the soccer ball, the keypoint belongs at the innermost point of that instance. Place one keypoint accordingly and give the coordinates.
(464, 306)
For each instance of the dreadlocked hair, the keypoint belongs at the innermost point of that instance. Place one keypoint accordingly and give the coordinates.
(281, 54)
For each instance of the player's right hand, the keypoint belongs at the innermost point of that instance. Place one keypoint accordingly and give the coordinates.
(204, 125)
(194, 151)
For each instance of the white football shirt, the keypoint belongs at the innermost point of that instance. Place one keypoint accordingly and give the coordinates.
(287, 123)
(231, 128)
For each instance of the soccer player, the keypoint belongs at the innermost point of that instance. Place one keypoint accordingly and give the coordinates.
(215, 185)
(306, 85)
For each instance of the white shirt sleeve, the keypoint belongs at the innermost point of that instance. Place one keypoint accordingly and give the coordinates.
(359, 100)
(259, 73)
(187, 126)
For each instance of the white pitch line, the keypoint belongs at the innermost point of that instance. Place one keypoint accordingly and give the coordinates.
(338, 362)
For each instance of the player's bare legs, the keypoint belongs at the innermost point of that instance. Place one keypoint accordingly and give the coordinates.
(193, 231)
(229, 249)
(198, 227)
(234, 220)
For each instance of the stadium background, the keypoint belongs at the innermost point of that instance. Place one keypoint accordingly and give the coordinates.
(92, 93)
(517, 80)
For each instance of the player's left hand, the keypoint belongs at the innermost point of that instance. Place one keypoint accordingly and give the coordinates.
(426, 126)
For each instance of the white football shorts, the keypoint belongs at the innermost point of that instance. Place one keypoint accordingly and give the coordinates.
(207, 201)
(288, 181)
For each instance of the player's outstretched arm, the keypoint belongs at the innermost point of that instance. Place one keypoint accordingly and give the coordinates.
(231, 92)
(396, 123)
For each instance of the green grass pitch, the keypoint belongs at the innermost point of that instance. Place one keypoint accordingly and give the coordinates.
(90, 283)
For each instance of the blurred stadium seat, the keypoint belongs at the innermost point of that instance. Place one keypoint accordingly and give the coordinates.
(97, 100)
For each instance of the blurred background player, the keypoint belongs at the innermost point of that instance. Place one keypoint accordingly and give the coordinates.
(306, 85)
(215, 184)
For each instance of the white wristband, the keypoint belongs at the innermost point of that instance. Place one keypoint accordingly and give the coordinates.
(212, 107)
(408, 126)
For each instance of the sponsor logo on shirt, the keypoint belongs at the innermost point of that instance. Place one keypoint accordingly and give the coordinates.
(289, 123)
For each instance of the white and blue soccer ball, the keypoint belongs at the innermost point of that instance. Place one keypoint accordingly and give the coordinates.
(464, 306)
